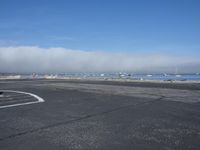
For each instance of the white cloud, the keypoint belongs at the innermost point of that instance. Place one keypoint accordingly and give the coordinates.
(36, 59)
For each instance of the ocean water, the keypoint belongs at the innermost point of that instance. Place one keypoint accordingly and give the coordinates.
(162, 77)
(182, 77)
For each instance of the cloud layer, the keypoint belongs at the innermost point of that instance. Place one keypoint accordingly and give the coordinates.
(24, 59)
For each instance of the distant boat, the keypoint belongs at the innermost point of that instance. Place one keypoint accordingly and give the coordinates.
(102, 75)
(178, 75)
(165, 74)
(121, 75)
(149, 75)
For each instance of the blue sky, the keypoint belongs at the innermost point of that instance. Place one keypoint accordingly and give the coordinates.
(107, 25)
(99, 35)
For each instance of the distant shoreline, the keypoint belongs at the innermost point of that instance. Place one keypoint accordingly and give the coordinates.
(112, 77)
(102, 79)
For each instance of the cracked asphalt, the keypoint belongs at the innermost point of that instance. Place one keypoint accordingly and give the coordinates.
(102, 115)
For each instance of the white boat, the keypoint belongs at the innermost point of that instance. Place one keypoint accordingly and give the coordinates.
(178, 75)
(165, 74)
(149, 75)
(102, 75)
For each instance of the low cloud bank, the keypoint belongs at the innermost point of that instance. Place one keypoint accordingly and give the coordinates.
(24, 59)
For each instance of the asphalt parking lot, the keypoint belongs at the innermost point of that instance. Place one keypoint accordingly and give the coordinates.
(82, 115)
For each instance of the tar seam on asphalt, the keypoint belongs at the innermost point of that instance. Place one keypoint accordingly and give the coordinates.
(78, 119)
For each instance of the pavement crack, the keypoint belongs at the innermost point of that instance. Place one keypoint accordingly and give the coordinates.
(79, 119)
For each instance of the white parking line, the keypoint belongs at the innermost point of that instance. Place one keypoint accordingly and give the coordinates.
(40, 100)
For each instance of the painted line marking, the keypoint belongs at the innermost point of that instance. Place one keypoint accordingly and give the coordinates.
(40, 100)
